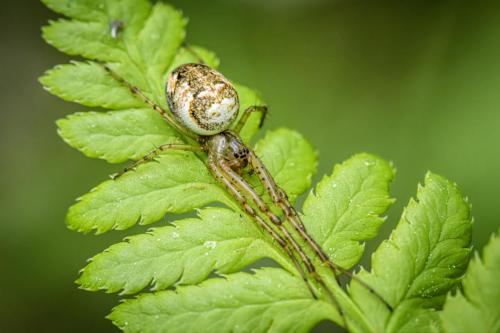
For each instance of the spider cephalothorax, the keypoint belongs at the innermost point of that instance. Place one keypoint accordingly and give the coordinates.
(202, 99)
(230, 148)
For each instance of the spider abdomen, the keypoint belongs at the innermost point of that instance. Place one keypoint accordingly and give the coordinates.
(202, 99)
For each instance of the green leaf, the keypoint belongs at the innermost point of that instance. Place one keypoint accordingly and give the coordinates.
(91, 38)
(185, 253)
(85, 10)
(270, 300)
(346, 207)
(477, 307)
(116, 136)
(179, 182)
(289, 158)
(130, 12)
(87, 83)
(142, 57)
(88, 39)
(193, 55)
(424, 258)
(158, 43)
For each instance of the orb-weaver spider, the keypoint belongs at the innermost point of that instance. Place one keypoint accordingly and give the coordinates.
(204, 106)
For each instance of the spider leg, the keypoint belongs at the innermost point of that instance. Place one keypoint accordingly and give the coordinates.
(219, 175)
(280, 198)
(240, 183)
(246, 114)
(139, 94)
(243, 186)
(155, 152)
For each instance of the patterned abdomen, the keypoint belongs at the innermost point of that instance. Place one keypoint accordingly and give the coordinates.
(201, 99)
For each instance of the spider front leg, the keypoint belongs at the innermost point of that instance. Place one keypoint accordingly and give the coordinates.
(280, 198)
(246, 188)
(238, 184)
(235, 192)
(246, 114)
(154, 153)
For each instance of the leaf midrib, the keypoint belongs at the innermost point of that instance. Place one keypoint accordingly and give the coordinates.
(241, 305)
(171, 252)
(133, 196)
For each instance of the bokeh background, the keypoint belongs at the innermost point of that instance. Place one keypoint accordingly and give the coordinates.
(417, 82)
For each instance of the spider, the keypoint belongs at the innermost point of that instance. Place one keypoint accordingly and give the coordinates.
(204, 106)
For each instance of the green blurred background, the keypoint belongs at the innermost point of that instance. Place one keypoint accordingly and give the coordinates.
(417, 82)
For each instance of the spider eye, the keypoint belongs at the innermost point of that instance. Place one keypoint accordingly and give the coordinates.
(202, 99)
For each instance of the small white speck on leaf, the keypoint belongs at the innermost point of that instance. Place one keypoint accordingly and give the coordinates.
(210, 244)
